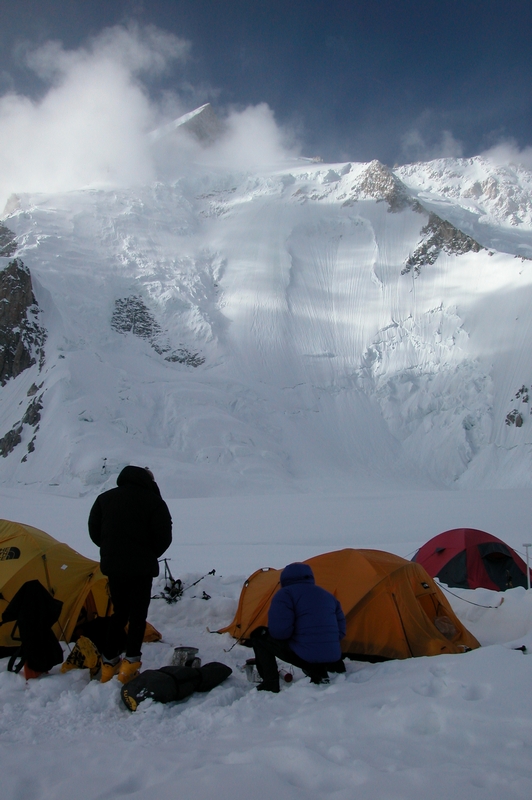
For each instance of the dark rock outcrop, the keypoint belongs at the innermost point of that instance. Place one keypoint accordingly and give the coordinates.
(202, 124)
(439, 235)
(131, 315)
(379, 183)
(10, 440)
(21, 337)
(516, 416)
(31, 417)
(8, 242)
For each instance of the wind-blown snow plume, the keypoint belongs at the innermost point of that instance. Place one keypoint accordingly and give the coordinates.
(253, 139)
(90, 127)
(508, 152)
(416, 147)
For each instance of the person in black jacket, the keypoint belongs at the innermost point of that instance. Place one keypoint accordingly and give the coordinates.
(132, 527)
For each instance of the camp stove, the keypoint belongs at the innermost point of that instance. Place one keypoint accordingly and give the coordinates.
(185, 657)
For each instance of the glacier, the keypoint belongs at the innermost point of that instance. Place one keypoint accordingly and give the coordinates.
(306, 327)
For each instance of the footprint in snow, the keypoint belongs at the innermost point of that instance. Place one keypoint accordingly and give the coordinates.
(476, 692)
(435, 687)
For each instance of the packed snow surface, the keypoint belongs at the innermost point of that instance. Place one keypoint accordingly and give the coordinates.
(448, 726)
(308, 359)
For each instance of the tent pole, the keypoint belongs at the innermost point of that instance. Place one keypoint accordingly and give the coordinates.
(526, 546)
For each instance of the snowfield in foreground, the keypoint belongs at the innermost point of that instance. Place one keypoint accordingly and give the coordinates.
(448, 726)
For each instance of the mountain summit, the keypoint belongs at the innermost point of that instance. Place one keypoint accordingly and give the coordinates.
(202, 124)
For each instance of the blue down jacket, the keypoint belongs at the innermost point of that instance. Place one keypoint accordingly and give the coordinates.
(309, 617)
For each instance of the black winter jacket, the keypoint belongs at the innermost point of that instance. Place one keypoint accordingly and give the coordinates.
(131, 525)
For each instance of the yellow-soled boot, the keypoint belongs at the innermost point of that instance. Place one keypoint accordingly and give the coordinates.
(128, 670)
(109, 670)
(84, 655)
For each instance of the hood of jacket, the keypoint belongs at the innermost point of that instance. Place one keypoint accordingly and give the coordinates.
(137, 476)
(296, 573)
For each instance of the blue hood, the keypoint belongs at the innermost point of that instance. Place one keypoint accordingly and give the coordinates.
(297, 573)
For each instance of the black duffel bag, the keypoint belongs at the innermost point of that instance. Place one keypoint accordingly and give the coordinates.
(168, 684)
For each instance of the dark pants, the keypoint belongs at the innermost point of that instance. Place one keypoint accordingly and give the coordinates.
(130, 595)
(267, 649)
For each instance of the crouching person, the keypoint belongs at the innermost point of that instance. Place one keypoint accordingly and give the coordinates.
(305, 626)
(132, 527)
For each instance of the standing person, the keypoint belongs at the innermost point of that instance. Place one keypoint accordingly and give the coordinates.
(132, 527)
(305, 626)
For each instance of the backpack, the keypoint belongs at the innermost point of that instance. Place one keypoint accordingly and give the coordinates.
(34, 611)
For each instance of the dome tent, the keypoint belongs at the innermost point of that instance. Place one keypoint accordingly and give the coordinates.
(393, 608)
(467, 558)
(26, 554)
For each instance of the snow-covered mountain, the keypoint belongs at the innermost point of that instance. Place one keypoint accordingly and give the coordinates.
(296, 329)
(202, 124)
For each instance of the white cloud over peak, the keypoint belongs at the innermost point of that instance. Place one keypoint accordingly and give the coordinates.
(253, 138)
(138, 49)
(90, 126)
(508, 152)
(416, 146)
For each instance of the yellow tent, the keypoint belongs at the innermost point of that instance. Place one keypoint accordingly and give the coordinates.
(26, 554)
(392, 607)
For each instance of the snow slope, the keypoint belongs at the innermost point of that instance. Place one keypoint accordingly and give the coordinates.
(337, 345)
(491, 201)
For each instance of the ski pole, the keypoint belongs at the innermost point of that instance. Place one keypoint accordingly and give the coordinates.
(212, 572)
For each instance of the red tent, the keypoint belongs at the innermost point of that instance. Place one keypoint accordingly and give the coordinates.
(470, 559)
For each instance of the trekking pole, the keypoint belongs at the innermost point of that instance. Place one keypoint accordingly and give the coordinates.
(167, 572)
(212, 572)
(526, 546)
(173, 589)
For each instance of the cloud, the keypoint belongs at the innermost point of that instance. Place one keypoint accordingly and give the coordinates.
(91, 125)
(252, 139)
(508, 152)
(416, 146)
(137, 49)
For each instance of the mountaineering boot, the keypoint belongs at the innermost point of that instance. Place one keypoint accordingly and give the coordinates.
(128, 670)
(110, 669)
(269, 686)
(320, 681)
(318, 675)
(84, 655)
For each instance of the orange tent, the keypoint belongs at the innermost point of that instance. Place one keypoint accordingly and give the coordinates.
(392, 607)
(26, 553)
